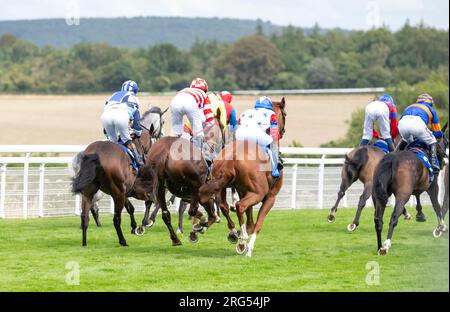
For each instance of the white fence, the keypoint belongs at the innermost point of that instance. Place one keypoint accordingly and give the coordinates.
(40, 186)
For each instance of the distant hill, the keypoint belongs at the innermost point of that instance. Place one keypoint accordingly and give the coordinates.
(134, 32)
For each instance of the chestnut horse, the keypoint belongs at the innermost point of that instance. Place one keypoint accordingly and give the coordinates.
(360, 165)
(404, 174)
(246, 167)
(106, 166)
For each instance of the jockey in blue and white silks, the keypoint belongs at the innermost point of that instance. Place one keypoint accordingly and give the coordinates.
(259, 125)
(121, 117)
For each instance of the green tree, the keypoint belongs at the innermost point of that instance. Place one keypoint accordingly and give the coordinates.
(320, 73)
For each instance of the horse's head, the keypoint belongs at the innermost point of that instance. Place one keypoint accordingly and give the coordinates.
(280, 110)
(215, 135)
(153, 119)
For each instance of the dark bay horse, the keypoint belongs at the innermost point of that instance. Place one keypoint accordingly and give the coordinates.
(246, 167)
(360, 165)
(445, 203)
(214, 142)
(180, 168)
(403, 174)
(105, 166)
(152, 121)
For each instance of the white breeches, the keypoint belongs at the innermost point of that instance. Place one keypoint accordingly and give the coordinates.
(413, 127)
(376, 111)
(185, 104)
(253, 133)
(115, 121)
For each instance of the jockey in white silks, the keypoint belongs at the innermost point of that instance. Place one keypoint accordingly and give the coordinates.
(259, 125)
(121, 118)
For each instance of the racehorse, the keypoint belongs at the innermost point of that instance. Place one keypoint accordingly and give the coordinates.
(214, 142)
(360, 165)
(151, 119)
(246, 166)
(105, 166)
(404, 174)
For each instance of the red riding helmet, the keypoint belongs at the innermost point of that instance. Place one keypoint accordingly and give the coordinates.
(199, 83)
(226, 96)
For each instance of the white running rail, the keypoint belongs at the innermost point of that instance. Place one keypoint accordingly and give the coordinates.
(40, 186)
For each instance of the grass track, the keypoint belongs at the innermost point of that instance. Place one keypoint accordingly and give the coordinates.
(296, 251)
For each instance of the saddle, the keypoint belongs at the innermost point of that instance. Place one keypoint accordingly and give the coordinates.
(422, 151)
(131, 157)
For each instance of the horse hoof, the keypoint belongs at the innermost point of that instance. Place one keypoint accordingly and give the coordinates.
(331, 218)
(232, 238)
(139, 231)
(383, 251)
(179, 232)
(124, 244)
(408, 216)
(351, 227)
(217, 220)
(193, 237)
(232, 208)
(150, 224)
(176, 243)
(241, 248)
(437, 233)
(197, 227)
(421, 218)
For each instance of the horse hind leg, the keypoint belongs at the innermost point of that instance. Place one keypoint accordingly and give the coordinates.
(361, 204)
(399, 207)
(181, 210)
(119, 203)
(249, 200)
(161, 196)
(130, 209)
(345, 184)
(86, 203)
(433, 193)
(263, 211)
(378, 220)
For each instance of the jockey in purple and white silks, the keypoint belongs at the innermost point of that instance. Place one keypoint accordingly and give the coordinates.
(121, 117)
(259, 125)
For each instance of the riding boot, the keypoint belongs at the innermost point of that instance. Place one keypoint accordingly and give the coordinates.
(273, 155)
(434, 160)
(401, 146)
(136, 155)
(390, 145)
(364, 142)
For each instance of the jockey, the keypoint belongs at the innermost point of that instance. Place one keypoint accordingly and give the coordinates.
(195, 104)
(227, 97)
(385, 112)
(232, 123)
(260, 125)
(414, 124)
(121, 117)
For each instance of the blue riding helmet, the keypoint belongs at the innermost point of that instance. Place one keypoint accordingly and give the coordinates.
(130, 85)
(386, 98)
(264, 102)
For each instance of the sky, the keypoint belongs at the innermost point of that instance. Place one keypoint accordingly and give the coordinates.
(346, 14)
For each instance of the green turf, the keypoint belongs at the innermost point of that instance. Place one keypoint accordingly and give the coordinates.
(296, 251)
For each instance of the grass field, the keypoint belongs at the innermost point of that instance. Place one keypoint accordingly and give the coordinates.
(296, 251)
(75, 119)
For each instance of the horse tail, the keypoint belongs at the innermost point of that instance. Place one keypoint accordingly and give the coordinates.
(89, 167)
(382, 179)
(353, 165)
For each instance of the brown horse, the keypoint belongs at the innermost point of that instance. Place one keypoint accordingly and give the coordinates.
(360, 165)
(214, 141)
(246, 167)
(403, 174)
(106, 166)
(180, 168)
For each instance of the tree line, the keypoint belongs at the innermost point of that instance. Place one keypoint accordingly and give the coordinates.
(287, 60)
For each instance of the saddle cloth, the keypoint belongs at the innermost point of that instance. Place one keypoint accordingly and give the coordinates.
(130, 155)
(421, 149)
(382, 145)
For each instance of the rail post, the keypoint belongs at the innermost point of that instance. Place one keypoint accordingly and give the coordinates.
(3, 191)
(41, 190)
(294, 187)
(26, 166)
(321, 181)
